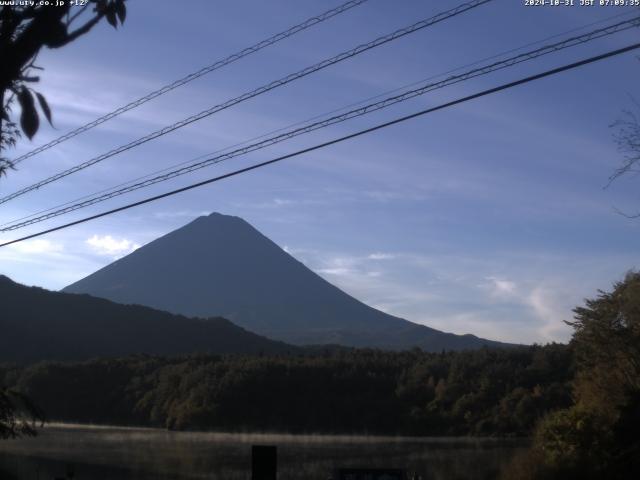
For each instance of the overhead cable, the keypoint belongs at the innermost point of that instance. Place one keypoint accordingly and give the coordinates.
(483, 93)
(321, 115)
(310, 22)
(258, 91)
(357, 112)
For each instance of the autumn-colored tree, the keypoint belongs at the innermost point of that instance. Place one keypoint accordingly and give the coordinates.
(598, 436)
(607, 341)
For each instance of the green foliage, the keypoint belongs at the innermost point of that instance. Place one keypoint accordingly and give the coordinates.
(575, 439)
(9, 133)
(26, 28)
(29, 118)
(607, 343)
(482, 392)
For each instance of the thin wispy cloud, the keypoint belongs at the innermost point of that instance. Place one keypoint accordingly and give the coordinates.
(181, 214)
(463, 294)
(381, 256)
(37, 246)
(501, 287)
(549, 310)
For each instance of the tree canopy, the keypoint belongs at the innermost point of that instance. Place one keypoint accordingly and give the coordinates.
(26, 28)
(597, 436)
(500, 392)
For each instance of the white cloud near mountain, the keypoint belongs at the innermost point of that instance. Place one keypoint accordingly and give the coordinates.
(108, 245)
(53, 262)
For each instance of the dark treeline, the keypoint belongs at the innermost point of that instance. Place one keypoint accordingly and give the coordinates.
(482, 392)
(579, 403)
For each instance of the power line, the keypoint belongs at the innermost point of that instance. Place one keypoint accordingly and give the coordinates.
(324, 114)
(483, 93)
(263, 89)
(484, 70)
(310, 22)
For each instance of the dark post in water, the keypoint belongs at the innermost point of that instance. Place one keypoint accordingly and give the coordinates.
(264, 462)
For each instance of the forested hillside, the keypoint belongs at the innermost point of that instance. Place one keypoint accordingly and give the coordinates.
(38, 324)
(483, 392)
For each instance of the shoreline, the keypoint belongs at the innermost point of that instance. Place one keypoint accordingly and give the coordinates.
(284, 436)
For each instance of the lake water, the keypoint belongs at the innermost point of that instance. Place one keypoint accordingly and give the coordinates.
(101, 453)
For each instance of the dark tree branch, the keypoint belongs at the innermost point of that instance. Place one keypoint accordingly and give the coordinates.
(86, 28)
(24, 31)
(73, 17)
(626, 215)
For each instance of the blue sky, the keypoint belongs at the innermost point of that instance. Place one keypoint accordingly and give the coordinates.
(487, 218)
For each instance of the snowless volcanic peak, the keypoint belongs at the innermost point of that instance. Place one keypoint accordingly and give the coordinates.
(219, 265)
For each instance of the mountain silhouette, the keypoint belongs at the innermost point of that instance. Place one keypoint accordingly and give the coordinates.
(219, 265)
(38, 324)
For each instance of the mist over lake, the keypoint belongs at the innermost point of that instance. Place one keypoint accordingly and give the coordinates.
(101, 453)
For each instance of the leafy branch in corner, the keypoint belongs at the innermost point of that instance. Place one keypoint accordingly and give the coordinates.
(24, 31)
